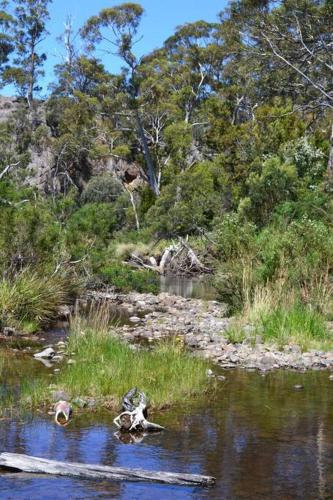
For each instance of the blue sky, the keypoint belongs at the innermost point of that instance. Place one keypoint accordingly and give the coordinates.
(159, 21)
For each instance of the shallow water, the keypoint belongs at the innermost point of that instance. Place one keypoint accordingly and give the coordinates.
(259, 437)
(197, 287)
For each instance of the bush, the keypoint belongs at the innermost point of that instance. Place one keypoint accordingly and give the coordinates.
(299, 253)
(189, 202)
(31, 300)
(102, 189)
(126, 279)
(234, 237)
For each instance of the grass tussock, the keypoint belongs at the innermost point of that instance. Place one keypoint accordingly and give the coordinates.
(31, 300)
(106, 368)
(279, 316)
(298, 325)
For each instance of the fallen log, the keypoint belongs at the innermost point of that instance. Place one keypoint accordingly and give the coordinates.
(25, 463)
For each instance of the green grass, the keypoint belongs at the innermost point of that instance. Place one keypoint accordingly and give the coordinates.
(235, 334)
(298, 325)
(31, 299)
(283, 324)
(106, 368)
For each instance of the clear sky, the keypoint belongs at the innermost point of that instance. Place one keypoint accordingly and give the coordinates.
(159, 22)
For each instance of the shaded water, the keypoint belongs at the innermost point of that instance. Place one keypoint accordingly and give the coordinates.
(259, 437)
(199, 287)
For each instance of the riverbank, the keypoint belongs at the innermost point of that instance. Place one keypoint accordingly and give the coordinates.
(95, 368)
(204, 328)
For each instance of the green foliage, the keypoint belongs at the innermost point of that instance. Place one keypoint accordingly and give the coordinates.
(297, 325)
(106, 367)
(29, 231)
(188, 203)
(275, 183)
(102, 189)
(29, 29)
(301, 250)
(299, 253)
(92, 226)
(126, 279)
(33, 299)
(234, 237)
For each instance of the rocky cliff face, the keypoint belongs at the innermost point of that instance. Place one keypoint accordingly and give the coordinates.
(44, 171)
(7, 106)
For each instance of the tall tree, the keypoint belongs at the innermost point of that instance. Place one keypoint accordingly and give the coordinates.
(291, 42)
(29, 31)
(6, 41)
(118, 27)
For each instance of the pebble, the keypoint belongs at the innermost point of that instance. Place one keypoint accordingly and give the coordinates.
(202, 326)
(298, 387)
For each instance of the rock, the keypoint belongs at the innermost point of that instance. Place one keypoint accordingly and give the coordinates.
(45, 362)
(233, 358)
(80, 403)
(267, 361)
(134, 319)
(47, 353)
(298, 387)
(210, 373)
(57, 358)
(71, 362)
(8, 331)
(192, 341)
(330, 377)
(222, 378)
(64, 312)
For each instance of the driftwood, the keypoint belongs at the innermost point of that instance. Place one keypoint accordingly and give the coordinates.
(25, 463)
(135, 412)
(179, 258)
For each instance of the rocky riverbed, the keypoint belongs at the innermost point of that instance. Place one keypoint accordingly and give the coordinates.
(202, 326)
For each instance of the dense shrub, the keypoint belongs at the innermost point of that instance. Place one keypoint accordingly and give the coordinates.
(126, 279)
(102, 189)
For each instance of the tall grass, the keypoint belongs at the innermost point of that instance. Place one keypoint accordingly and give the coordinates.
(280, 316)
(30, 300)
(106, 368)
(296, 324)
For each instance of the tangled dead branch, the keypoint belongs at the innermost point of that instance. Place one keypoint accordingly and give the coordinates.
(135, 412)
(178, 258)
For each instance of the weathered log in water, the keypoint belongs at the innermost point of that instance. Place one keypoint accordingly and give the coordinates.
(37, 465)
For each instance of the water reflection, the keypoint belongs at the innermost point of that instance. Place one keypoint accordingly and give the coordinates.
(261, 440)
(189, 287)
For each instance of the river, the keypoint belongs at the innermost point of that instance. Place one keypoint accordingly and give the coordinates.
(258, 436)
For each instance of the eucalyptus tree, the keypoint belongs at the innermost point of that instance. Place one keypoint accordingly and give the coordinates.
(289, 47)
(29, 31)
(117, 29)
(6, 41)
